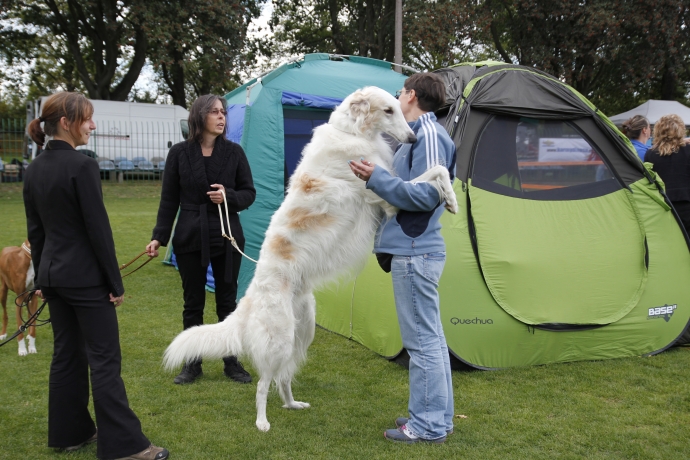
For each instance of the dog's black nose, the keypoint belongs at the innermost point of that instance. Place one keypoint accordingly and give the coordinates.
(411, 139)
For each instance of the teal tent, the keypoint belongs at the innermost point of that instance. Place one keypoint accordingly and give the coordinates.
(273, 116)
(565, 247)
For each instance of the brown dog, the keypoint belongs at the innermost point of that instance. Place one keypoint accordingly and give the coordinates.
(17, 275)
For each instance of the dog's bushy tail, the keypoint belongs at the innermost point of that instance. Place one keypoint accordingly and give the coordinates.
(208, 341)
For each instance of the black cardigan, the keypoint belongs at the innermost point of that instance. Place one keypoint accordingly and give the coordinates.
(68, 228)
(674, 170)
(185, 185)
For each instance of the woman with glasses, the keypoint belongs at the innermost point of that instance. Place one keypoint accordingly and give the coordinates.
(197, 172)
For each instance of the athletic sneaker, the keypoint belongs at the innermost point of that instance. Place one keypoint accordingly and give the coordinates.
(400, 421)
(404, 435)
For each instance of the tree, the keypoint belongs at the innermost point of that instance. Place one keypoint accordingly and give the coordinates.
(365, 28)
(442, 33)
(106, 39)
(197, 45)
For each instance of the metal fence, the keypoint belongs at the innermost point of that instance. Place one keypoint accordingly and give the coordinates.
(132, 150)
(13, 147)
(125, 150)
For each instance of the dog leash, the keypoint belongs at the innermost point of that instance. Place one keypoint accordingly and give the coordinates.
(222, 227)
(123, 266)
(32, 318)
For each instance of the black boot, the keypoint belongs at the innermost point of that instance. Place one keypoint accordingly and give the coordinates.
(189, 373)
(235, 371)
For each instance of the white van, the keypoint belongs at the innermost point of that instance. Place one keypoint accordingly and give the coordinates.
(131, 135)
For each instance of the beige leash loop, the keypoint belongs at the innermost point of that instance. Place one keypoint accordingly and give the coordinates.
(222, 226)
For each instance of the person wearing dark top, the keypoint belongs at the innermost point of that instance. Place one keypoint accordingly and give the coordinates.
(77, 273)
(196, 171)
(670, 156)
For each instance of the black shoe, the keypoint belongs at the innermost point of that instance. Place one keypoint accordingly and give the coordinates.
(189, 373)
(235, 371)
(91, 440)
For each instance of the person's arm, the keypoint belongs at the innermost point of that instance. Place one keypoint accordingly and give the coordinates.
(90, 195)
(411, 195)
(170, 199)
(244, 193)
(34, 228)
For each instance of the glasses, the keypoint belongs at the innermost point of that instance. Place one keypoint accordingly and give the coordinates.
(400, 92)
(215, 112)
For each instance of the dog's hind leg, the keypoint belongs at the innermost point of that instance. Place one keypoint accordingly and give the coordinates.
(261, 397)
(285, 390)
(3, 301)
(305, 308)
(439, 178)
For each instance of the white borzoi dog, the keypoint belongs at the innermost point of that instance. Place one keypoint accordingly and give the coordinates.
(323, 229)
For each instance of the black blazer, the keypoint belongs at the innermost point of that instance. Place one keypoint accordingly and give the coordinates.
(184, 187)
(674, 170)
(68, 227)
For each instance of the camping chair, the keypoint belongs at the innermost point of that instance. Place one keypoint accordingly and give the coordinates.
(137, 160)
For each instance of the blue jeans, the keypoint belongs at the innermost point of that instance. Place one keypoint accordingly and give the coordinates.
(415, 283)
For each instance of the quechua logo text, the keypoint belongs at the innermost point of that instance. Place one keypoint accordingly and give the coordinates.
(665, 311)
(470, 321)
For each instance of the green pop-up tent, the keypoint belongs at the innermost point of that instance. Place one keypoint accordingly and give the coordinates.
(565, 247)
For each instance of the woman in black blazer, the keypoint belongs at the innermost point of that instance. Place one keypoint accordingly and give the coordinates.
(670, 156)
(77, 273)
(196, 171)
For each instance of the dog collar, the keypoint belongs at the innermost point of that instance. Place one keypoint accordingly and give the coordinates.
(27, 250)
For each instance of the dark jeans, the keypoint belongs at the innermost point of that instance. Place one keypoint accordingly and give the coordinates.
(194, 281)
(683, 210)
(86, 336)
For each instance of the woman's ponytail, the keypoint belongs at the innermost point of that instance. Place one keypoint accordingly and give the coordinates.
(36, 133)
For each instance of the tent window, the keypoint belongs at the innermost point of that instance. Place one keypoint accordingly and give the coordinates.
(539, 159)
(299, 125)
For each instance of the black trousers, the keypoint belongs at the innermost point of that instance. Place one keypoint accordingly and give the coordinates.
(683, 210)
(87, 336)
(194, 281)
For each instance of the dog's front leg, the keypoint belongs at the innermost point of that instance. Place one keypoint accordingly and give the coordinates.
(31, 337)
(389, 209)
(3, 333)
(439, 178)
(261, 396)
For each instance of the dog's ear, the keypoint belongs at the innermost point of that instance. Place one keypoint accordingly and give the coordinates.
(359, 106)
(360, 109)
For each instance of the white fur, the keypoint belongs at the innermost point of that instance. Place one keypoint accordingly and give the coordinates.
(30, 276)
(274, 322)
(32, 344)
(22, 347)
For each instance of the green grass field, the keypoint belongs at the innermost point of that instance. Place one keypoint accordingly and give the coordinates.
(637, 408)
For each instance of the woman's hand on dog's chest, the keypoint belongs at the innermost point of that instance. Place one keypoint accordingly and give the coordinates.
(362, 169)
